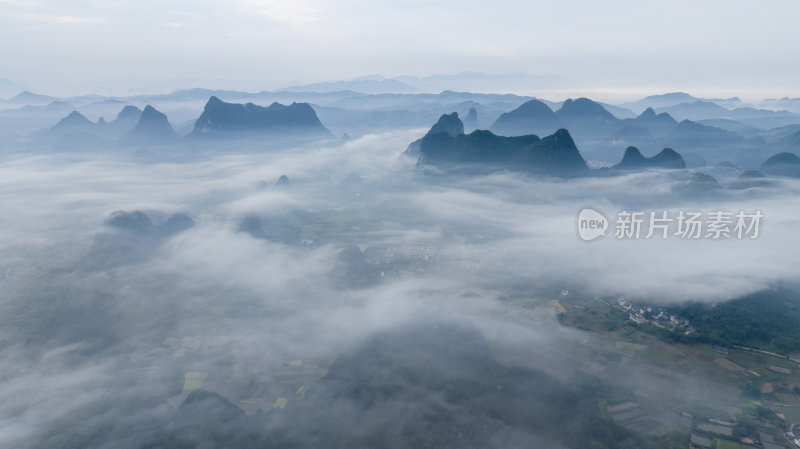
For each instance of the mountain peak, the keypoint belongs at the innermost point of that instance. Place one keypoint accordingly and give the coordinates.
(128, 112)
(136, 222)
(251, 225)
(634, 159)
(27, 97)
(582, 106)
(72, 121)
(782, 164)
(632, 155)
(531, 117)
(672, 96)
(297, 119)
(585, 111)
(562, 137)
(534, 108)
(448, 123)
(150, 113)
(153, 127)
(76, 117)
(471, 120)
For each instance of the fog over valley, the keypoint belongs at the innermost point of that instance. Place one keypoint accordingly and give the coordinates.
(256, 268)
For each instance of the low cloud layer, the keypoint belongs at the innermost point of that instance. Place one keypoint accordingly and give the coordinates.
(212, 298)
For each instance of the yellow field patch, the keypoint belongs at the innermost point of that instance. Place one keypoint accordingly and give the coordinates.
(557, 307)
(193, 380)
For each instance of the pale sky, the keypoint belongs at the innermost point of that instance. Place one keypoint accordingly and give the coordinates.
(712, 45)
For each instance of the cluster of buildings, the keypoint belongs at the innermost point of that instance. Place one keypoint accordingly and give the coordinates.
(794, 435)
(642, 315)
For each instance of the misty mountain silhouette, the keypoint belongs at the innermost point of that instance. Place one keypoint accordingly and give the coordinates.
(74, 123)
(675, 98)
(750, 179)
(655, 124)
(695, 110)
(128, 113)
(74, 119)
(352, 270)
(367, 85)
(77, 125)
(30, 98)
(447, 123)
(471, 120)
(152, 128)
(792, 139)
(531, 117)
(138, 223)
(135, 222)
(782, 164)
(583, 111)
(126, 120)
(229, 119)
(700, 185)
(133, 239)
(175, 224)
(728, 164)
(275, 231)
(633, 159)
(555, 154)
(689, 133)
(668, 99)
(283, 181)
(252, 226)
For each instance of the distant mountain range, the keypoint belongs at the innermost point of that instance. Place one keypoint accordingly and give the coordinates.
(447, 146)
(704, 110)
(466, 81)
(599, 132)
(582, 116)
(734, 130)
(367, 85)
(133, 126)
(675, 98)
(29, 98)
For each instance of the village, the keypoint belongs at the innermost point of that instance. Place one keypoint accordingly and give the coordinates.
(738, 398)
(656, 316)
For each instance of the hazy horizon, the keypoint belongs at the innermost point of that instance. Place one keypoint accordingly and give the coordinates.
(625, 49)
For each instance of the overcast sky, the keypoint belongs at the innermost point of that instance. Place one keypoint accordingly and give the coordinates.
(699, 45)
